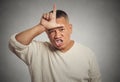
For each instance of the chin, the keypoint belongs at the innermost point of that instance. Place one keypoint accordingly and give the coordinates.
(58, 47)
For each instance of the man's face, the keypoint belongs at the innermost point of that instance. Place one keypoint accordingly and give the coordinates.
(60, 36)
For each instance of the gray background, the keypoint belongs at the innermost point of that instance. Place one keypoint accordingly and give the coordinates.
(96, 24)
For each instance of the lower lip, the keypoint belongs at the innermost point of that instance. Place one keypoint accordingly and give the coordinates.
(59, 45)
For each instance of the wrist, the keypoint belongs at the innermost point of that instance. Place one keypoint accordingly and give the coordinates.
(38, 29)
(41, 27)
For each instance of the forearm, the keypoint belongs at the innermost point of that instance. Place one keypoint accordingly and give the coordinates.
(27, 36)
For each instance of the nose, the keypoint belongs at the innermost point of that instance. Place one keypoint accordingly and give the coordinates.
(58, 34)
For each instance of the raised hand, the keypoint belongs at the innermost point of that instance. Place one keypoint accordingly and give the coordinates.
(48, 20)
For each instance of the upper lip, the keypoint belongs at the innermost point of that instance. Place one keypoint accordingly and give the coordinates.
(58, 39)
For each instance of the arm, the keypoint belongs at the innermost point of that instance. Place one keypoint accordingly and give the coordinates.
(48, 21)
(26, 36)
(21, 44)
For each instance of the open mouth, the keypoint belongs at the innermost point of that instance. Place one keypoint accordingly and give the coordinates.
(58, 42)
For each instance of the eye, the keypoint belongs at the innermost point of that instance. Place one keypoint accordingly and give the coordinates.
(61, 29)
(51, 31)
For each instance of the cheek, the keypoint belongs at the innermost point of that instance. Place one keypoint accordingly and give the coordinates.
(68, 32)
(66, 35)
(51, 37)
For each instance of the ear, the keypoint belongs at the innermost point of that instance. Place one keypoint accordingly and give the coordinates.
(70, 27)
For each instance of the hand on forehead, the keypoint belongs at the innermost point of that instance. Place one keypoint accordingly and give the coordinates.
(49, 19)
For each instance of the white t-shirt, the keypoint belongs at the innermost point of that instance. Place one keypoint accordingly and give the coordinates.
(46, 64)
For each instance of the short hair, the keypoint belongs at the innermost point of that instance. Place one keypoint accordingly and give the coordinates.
(61, 13)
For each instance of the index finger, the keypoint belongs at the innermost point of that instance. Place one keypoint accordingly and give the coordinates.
(54, 10)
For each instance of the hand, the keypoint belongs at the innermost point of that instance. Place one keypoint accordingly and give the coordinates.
(48, 20)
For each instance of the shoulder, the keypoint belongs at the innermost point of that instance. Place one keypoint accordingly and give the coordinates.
(82, 46)
(87, 52)
(84, 49)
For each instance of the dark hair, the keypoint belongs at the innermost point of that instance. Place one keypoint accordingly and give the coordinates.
(61, 13)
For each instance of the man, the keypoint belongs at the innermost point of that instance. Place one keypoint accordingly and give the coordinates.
(61, 59)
